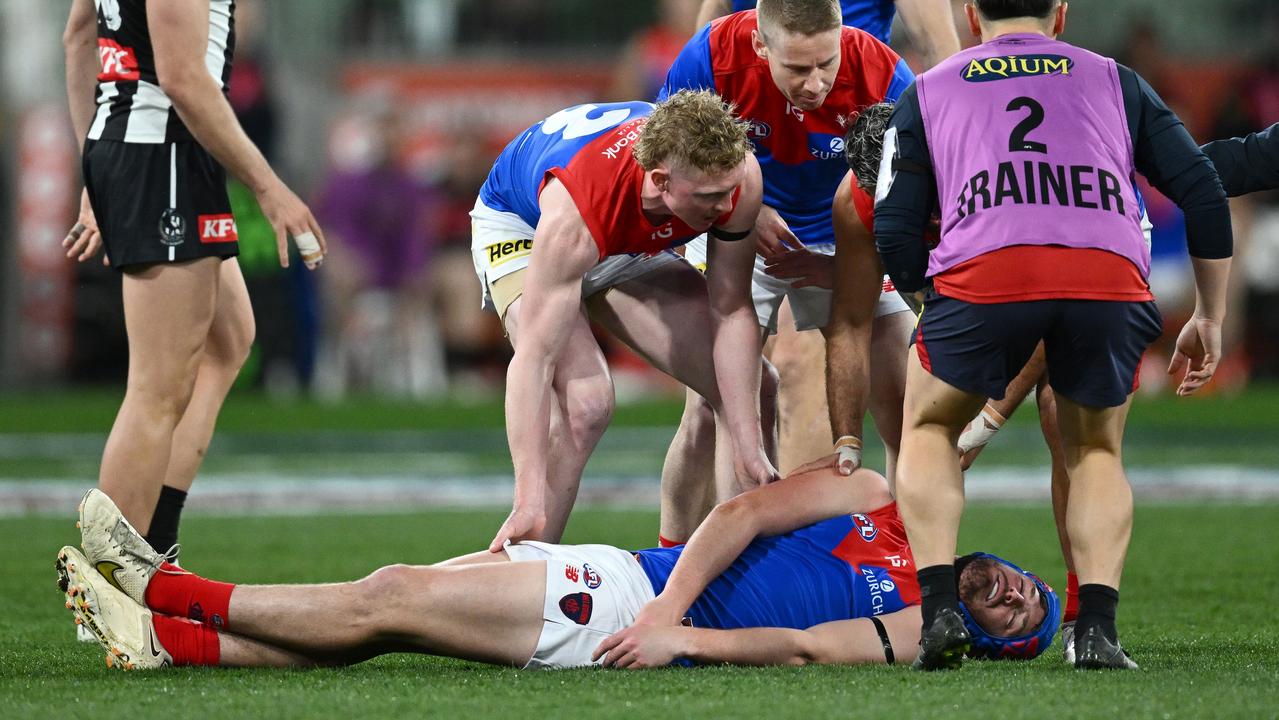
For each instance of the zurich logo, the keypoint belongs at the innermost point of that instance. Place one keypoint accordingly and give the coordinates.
(887, 585)
(865, 527)
(824, 146)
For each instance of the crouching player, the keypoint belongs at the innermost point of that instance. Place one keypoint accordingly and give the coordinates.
(814, 568)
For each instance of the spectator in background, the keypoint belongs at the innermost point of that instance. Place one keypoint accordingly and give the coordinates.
(641, 69)
(380, 329)
(475, 348)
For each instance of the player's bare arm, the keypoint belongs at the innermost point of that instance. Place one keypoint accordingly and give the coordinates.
(710, 10)
(1199, 342)
(80, 41)
(736, 332)
(858, 282)
(841, 642)
(180, 36)
(563, 250)
(931, 27)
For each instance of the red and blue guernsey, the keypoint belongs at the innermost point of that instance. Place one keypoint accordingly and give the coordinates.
(873, 16)
(587, 148)
(851, 566)
(800, 152)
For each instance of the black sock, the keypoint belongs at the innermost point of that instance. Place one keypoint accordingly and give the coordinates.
(937, 591)
(1097, 604)
(163, 533)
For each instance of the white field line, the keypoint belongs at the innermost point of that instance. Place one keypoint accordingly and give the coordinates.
(275, 493)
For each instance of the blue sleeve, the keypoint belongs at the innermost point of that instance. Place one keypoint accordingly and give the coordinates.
(905, 196)
(692, 68)
(740, 5)
(1247, 164)
(902, 78)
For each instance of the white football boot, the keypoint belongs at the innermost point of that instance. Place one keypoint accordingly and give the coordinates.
(1068, 642)
(115, 549)
(122, 626)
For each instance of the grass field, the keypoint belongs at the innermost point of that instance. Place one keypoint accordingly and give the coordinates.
(1198, 613)
(1199, 608)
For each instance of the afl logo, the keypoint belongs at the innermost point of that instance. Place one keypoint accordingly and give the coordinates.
(865, 527)
(758, 130)
(173, 228)
(590, 577)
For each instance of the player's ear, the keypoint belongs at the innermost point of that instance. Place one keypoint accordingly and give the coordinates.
(661, 177)
(1059, 22)
(758, 45)
(974, 22)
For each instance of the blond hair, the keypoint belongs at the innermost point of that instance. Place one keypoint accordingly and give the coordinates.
(805, 17)
(693, 128)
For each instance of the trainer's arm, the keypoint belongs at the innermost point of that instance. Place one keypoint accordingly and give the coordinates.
(797, 501)
(180, 38)
(1247, 164)
(858, 283)
(563, 250)
(712, 9)
(931, 27)
(736, 339)
(904, 195)
(841, 642)
(80, 42)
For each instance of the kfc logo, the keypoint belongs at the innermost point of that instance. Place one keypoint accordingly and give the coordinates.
(218, 228)
(118, 62)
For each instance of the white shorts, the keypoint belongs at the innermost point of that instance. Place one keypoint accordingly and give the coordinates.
(592, 591)
(502, 243)
(810, 305)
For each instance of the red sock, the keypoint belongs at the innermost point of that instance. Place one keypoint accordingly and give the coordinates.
(663, 542)
(190, 643)
(174, 591)
(1072, 598)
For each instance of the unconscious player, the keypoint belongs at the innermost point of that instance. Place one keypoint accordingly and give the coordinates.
(812, 569)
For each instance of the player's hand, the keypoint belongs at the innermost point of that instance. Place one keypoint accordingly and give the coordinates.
(288, 215)
(803, 267)
(522, 524)
(658, 612)
(641, 646)
(846, 459)
(1197, 354)
(977, 433)
(755, 470)
(773, 236)
(84, 241)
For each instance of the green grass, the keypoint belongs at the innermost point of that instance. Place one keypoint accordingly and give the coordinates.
(61, 434)
(1198, 613)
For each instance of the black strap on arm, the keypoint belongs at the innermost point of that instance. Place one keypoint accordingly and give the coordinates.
(883, 638)
(720, 233)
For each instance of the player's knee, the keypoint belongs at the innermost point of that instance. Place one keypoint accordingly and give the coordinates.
(590, 407)
(384, 589)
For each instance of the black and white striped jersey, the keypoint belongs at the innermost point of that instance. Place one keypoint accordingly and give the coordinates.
(131, 105)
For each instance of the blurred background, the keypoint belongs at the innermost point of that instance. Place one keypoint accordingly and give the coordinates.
(386, 115)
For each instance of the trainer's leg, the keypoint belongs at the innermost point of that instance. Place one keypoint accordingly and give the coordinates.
(930, 485)
(229, 341)
(1099, 500)
(889, 346)
(168, 310)
(489, 612)
(584, 407)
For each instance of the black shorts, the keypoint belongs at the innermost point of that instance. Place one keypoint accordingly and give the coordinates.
(158, 203)
(1093, 347)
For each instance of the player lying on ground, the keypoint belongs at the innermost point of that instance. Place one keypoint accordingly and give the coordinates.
(814, 568)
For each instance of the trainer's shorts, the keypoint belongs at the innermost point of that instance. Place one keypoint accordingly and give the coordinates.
(810, 306)
(158, 202)
(592, 591)
(1093, 347)
(502, 244)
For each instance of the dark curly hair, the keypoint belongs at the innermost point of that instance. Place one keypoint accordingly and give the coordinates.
(864, 143)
